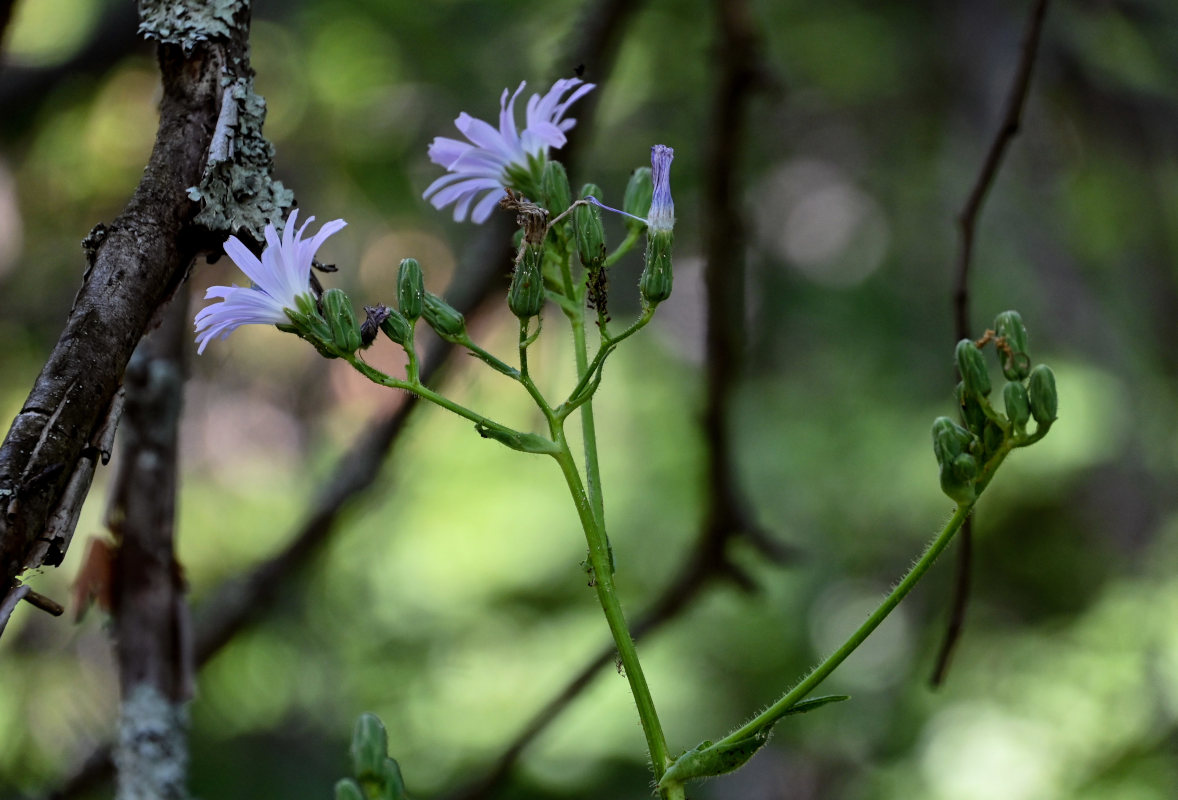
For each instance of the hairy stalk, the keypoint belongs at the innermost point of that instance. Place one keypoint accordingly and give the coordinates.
(765, 720)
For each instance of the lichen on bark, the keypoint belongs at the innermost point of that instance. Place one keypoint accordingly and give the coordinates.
(187, 24)
(237, 193)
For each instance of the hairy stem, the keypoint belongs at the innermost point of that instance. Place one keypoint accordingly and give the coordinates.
(767, 718)
(603, 582)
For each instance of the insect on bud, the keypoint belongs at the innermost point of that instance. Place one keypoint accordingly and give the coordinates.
(1042, 395)
(374, 317)
(443, 317)
(410, 288)
(972, 366)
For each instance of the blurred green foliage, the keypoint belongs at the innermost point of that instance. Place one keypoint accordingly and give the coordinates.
(452, 615)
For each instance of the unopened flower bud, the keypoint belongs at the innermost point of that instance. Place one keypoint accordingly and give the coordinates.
(410, 288)
(949, 440)
(393, 785)
(992, 437)
(1018, 405)
(370, 747)
(341, 319)
(525, 298)
(1016, 364)
(1042, 396)
(348, 789)
(972, 366)
(657, 276)
(554, 188)
(639, 193)
(589, 231)
(972, 414)
(396, 327)
(443, 317)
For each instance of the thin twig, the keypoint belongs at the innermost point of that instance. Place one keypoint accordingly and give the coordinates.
(967, 221)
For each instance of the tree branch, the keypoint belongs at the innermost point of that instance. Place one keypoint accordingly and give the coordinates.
(153, 638)
(134, 266)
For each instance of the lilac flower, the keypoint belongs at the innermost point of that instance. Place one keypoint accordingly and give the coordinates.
(496, 159)
(283, 273)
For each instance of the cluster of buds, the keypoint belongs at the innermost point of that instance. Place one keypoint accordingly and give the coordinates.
(968, 451)
(378, 777)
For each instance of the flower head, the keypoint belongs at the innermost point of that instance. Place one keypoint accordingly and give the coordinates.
(496, 159)
(661, 216)
(283, 273)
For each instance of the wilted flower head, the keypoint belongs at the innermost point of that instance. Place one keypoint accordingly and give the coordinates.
(662, 208)
(661, 217)
(495, 159)
(283, 273)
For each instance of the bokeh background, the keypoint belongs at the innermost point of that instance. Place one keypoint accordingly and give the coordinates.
(451, 601)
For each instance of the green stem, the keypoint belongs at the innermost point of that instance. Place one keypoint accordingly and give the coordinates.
(425, 393)
(766, 719)
(603, 352)
(625, 247)
(603, 581)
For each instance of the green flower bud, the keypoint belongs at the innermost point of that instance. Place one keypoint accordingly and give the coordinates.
(370, 748)
(589, 231)
(972, 366)
(657, 277)
(396, 327)
(1016, 364)
(1018, 405)
(410, 288)
(341, 319)
(1042, 396)
(392, 785)
(965, 467)
(525, 298)
(554, 188)
(348, 789)
(443, 317)
(639, 192)
(949, 440)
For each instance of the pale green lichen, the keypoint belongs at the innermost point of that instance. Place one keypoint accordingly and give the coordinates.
(237, 193)
(187, 23)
